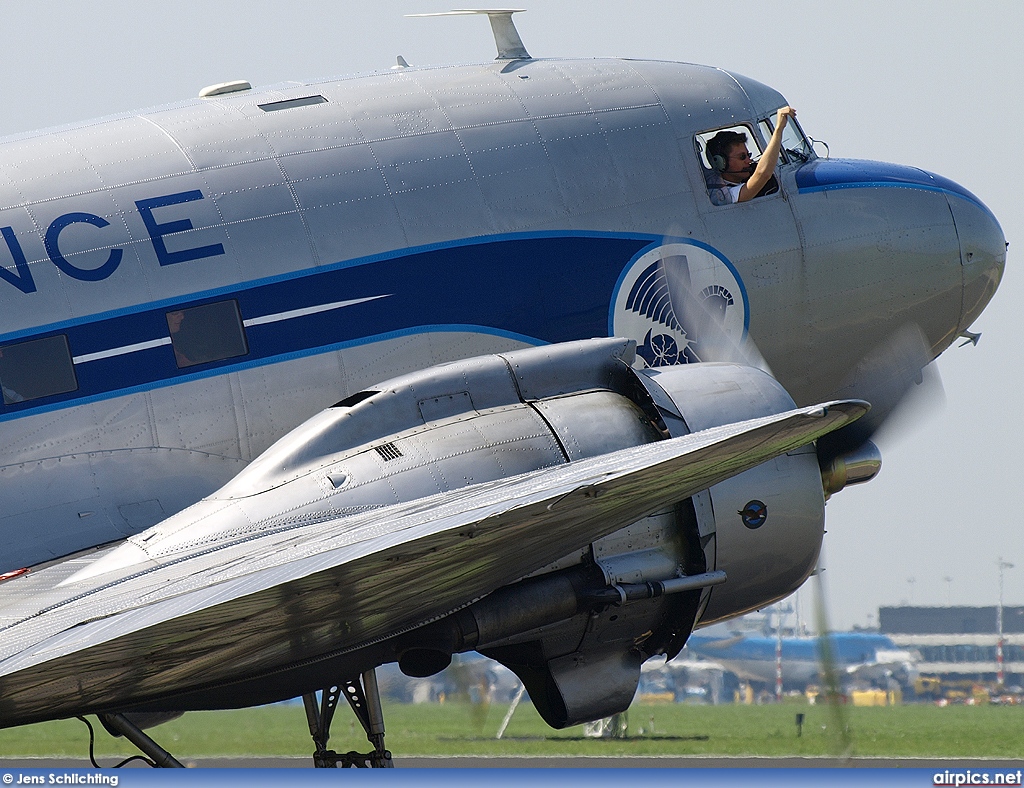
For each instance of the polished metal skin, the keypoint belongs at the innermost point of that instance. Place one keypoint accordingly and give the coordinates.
(856, 467)
(428, 214)
(766, 561)
(185, 293)
(267, 589)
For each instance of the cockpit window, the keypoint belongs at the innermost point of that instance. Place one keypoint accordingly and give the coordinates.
(702, 139)
(796, 147)
(726, 153)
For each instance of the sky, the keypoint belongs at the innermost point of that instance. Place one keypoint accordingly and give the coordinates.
(937, 85)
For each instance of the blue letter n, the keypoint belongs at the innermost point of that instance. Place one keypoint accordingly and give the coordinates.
(23, 280)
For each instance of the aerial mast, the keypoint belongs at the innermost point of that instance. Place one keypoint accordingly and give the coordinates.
(506, 37)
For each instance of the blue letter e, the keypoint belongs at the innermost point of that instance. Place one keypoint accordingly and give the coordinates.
(157, 231)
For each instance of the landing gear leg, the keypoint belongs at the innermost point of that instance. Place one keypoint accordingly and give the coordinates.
(119, 725)
(364, 698)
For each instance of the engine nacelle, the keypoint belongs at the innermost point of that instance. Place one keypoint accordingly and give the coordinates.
(576, 630)
(763, 527)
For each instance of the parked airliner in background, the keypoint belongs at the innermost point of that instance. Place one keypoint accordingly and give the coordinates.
(863, 656)
(305, 379)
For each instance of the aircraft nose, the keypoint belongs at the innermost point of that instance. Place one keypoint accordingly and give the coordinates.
(946, 241)
(982, 253)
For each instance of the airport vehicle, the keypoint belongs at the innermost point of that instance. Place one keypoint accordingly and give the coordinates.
(305, 379)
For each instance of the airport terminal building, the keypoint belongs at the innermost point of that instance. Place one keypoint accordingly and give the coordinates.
(959, 642)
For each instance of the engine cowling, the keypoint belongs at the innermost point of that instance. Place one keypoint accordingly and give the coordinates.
(762, 527)
(577, 630)
(768, 522)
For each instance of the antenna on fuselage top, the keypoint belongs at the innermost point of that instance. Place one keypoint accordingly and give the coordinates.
(506, 37)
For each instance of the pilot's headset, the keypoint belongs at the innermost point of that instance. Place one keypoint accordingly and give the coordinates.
(717, 161)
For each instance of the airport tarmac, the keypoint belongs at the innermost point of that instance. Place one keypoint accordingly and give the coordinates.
(556, 762)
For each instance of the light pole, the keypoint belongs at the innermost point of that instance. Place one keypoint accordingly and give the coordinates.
(999, 622)
(778, 654)
(949, 586)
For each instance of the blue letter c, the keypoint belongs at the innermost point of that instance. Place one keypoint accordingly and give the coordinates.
(53, 249)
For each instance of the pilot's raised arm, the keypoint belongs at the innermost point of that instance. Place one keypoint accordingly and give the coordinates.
(769, 159)
(735, 177)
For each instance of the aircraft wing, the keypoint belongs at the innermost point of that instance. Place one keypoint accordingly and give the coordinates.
(312, 591)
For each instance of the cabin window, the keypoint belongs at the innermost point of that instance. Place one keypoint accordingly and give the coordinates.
(723, 190)
(37, 368)
(207, 333)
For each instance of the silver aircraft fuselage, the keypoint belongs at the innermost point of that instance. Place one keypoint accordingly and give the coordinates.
(361, 228)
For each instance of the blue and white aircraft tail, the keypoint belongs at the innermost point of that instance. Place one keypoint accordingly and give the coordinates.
(862, 656)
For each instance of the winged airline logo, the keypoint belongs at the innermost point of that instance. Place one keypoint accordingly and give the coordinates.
(668, 296)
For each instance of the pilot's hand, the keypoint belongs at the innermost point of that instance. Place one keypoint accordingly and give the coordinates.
(784, 115)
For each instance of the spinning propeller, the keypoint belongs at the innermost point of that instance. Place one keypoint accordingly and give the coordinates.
(896, 377)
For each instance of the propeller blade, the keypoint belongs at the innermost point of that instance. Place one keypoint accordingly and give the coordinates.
(702, 318)
(886, 377)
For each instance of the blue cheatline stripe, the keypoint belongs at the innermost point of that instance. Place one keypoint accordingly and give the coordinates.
(227, 291)
(823, 175)
(913, 186)
(535, 289)
(227, 367)
(890, 185)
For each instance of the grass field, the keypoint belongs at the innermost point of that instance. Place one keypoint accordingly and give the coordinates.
(664, 729)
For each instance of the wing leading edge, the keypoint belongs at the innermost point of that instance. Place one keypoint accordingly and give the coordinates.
(311, 592)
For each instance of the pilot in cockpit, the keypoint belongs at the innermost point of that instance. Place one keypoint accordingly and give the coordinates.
(734, 176)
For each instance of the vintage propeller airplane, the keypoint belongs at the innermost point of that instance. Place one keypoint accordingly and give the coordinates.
(302, 380)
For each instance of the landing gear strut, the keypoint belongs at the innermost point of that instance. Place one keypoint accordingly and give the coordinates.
(119, 725)
(364, 698)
